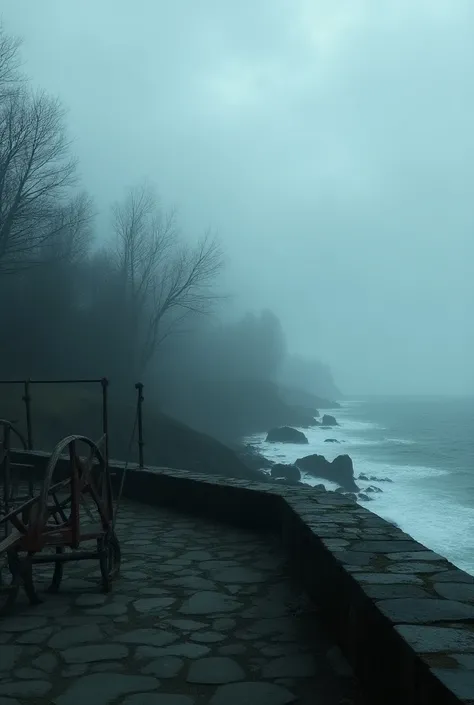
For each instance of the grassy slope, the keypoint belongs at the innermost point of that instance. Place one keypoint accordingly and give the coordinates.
(58, 411)
(233, 409)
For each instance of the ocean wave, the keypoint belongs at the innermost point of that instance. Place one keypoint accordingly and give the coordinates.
(400, 441)
(313, 481)
(425, 512)
(394, 470)
(352, 425)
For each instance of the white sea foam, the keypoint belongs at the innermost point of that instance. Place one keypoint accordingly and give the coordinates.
(401, 441)
(431, 517)
(418, 500)
(347, 424)
(310, 480)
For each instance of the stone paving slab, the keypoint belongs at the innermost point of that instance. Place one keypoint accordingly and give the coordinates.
(203, 613)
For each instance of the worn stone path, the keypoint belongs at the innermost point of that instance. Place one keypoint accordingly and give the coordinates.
(202, 614)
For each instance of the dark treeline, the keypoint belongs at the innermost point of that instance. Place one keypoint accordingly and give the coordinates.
(136, 303)
(232, 379)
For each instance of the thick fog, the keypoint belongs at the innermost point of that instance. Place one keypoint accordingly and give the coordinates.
(330, 145)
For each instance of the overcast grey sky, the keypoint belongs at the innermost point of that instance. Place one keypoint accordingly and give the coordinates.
(329, 142)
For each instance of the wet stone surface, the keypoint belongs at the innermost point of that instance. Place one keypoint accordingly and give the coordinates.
(420, 611)
(202, 614)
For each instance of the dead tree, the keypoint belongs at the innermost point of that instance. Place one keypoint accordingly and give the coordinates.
(163, 279)
(36, 170)
(36, 173)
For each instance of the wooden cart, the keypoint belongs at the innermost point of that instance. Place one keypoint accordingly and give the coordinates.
(56, 519)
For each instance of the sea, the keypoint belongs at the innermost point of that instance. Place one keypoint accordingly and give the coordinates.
(424, 445)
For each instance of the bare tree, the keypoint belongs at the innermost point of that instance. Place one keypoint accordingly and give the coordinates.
(163, 280)
(185, 286)
(36, 173)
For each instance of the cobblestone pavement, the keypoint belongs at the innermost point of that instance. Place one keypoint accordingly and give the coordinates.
(202, 614)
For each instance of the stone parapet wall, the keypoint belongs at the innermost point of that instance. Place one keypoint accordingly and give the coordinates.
(403, 615)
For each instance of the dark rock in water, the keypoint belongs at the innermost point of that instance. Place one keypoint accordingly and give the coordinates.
(363, 477)
(371, 488)
(316, 465)
(343, 470)
(331, 440)
(288, 472)
(350, 495)
(379, 479)
(286, 434)
(320, 487)
(364, 496)
(328, 420)
(340, 470)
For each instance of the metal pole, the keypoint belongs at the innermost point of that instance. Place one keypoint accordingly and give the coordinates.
(6, 475)
(140, 399)
(27, 400)
(105, 416)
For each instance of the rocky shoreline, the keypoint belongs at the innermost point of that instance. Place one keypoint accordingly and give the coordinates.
(339, 471)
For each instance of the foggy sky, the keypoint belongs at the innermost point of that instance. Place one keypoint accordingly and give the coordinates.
(330, 143)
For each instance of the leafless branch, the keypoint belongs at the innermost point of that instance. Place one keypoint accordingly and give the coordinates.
(36, 173)
(9, 62)
(161, 277)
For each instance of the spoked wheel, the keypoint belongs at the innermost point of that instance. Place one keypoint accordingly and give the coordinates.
(75, 505)
(9, 581)
(109, 557)
(87, 465)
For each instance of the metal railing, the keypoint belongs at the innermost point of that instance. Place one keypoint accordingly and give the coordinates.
(104, 382)
(140, 399)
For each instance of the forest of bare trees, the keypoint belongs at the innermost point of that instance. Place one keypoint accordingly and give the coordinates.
(75, 301)
(135, 302)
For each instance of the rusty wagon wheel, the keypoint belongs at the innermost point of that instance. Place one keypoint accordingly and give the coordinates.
(9, 581)
(75, 504)
(76, 486)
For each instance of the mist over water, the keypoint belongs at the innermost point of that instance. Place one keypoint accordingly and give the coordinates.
(426, 446)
